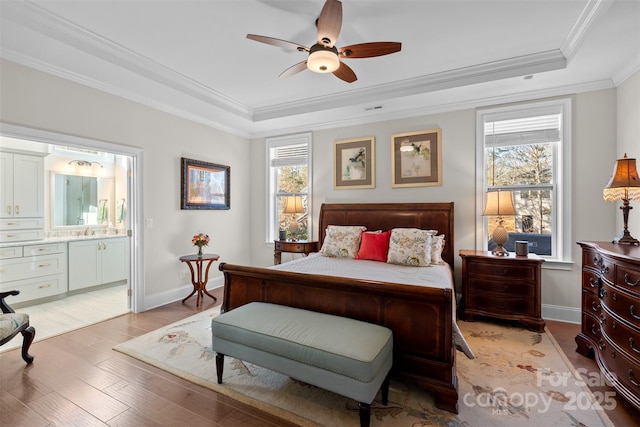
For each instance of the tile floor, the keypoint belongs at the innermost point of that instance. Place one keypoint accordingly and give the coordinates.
(73, 312)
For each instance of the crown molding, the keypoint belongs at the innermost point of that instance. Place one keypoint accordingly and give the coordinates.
(50, 25)
(592, 10)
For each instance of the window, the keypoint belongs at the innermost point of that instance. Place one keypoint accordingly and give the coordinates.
(289, 175)
(526, 149)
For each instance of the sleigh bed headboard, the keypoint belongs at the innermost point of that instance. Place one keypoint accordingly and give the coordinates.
(385, 216)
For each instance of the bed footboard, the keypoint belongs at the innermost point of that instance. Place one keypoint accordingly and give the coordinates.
(420, 317)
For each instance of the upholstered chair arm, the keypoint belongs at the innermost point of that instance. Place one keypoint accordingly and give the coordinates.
(3, 305)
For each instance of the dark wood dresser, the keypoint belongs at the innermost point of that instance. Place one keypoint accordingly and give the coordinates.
(502, 287)
(611, 314)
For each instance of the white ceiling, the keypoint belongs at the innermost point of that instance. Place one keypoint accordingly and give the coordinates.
(192, 58)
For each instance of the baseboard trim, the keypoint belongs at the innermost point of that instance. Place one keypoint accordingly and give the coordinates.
(562, 313)
(164, 298)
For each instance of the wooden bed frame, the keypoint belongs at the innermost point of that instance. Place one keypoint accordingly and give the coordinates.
(420, 317)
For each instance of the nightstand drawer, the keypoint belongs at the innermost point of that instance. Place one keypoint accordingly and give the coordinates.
(502, 287)
(490, 304)
(290, 247)
(502, 270)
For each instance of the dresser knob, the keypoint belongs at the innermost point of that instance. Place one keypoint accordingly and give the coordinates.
(632, 378)
(595, 306)
(632, 310)
(631, 344)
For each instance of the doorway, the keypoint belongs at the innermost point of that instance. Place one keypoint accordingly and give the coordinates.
(131, 159)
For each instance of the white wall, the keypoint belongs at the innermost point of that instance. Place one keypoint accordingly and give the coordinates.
(37, 100)
(593, 152)
(628, 141)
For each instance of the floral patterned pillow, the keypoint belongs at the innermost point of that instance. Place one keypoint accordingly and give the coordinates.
(342, 241)
(437, 246)
(410, 246)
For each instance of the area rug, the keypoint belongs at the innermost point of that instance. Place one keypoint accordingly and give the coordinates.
(518, 378)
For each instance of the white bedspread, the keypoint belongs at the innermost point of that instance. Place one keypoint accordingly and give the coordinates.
(434, 276)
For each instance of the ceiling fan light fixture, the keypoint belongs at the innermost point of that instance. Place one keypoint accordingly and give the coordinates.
(323, 60)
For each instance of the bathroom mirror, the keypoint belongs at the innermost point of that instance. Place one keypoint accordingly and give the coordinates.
(78, 200)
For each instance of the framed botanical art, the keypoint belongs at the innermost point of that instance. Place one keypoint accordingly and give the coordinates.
(354, 163)
(416, 158)
(205, 185)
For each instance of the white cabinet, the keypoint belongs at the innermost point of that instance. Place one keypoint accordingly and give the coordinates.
(21, 197)
(97, 261)
(37, 271)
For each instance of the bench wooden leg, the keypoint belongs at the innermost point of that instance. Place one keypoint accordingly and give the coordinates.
(219, 366)
(365, 414)
(28, 335)
(385, 391)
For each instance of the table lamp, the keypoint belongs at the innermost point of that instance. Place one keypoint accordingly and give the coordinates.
(293, 205)
(499, 203)
(624, 185)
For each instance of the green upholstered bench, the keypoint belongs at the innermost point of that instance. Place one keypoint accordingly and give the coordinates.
(342, 355)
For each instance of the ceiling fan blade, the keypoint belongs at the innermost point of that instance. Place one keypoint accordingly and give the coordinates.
(344, 72)
(277, 42)
(368, 50)
(329, 23)
(295, 69)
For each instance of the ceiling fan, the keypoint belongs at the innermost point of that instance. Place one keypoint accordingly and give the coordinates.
(324, 56)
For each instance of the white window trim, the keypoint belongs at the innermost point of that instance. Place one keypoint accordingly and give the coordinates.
(562, 220)
(300, 138)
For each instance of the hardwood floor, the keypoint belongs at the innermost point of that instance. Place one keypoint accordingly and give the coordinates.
(78, 380)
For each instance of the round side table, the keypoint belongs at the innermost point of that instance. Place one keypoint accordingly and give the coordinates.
(197, 280)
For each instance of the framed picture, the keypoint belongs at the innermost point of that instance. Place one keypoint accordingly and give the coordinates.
(416, 158)
(205, 185)
(354, 163)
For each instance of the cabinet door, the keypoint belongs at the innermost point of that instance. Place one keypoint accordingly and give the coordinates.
(114, 260)
(6, 185)
(85, 267)
(28, 186)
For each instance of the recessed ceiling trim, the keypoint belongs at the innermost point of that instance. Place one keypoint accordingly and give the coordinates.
(511, 67)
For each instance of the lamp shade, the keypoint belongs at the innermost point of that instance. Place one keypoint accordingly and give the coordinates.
(499, 203)
(624, 183)
(323, 61)
(293, 205)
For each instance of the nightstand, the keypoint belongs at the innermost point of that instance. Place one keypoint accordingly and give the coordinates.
(504, 287)
(293, 246)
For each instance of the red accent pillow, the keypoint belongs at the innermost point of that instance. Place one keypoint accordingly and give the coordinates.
(374, 246)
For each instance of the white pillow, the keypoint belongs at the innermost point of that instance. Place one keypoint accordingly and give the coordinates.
(437, 246)
(410, 246)
(342, 241)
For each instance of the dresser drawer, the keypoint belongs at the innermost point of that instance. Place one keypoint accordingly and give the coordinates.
(11, 252)
(590, 281)
(604, 266)
(36, 288)
(623, 304)
(591, 303)
(504, 287)
(627, 338)
(629, 279)
(502, 270)
(626, 370)
(23, 268)
(508, 306)
(591, 327)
